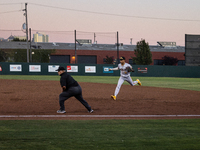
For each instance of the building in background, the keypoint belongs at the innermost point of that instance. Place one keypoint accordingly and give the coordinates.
(21, 37)
(39, 37)
(2, 39)
(96, 53)
(167, 44)
(11, 37)
(84, 41)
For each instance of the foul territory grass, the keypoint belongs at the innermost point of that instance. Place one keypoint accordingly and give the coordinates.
(166, 82)
(100, 134)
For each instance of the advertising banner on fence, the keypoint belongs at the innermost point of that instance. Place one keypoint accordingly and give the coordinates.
(15, 67)
(34, 68)
(106, 69)
(72, 68)
(142, 70)
(52, 68)
(90, 69)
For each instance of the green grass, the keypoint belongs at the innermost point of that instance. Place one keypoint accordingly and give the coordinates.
(165, 82)
(100, 134)
(30, 77)
(104, 134)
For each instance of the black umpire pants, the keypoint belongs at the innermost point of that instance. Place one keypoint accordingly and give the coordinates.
(75, 91)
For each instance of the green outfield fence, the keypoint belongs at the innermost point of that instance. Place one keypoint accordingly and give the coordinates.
(97, 70)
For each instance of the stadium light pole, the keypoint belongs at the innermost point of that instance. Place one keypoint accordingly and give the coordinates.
(94, 38)
(26, 32)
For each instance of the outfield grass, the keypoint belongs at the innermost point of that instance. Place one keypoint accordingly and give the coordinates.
(100, 134)
(165, 82)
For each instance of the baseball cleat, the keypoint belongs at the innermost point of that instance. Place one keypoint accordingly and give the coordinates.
(113, 97)
(61, 111)
(91, 111)
(139, 82)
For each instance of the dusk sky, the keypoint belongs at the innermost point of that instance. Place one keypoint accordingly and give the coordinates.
(152, 20)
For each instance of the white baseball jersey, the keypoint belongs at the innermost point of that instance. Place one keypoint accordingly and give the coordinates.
(123, 71)
(125, 76)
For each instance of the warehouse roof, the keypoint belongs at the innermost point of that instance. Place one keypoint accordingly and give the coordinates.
(71, 46)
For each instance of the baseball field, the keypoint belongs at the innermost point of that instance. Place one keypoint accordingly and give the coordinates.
(163, 113)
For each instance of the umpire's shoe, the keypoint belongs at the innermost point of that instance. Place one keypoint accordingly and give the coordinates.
(61, 111)
(139, 82)
(91, 111)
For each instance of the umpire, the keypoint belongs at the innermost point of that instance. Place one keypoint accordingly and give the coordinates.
(70, 88)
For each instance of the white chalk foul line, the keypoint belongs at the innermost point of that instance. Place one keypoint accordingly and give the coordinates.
(94, 116)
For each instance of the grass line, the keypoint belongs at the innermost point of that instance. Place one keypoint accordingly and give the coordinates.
(165, 82)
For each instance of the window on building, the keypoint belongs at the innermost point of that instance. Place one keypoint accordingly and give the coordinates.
(87, 59)
(60, 59)
(181, 63)
(158, 62)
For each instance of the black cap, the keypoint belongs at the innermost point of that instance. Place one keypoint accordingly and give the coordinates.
(122, 58)
(60, 68)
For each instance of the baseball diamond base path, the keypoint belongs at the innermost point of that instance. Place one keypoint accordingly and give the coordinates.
(33, 97)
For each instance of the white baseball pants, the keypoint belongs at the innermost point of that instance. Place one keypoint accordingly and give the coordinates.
(121, 81)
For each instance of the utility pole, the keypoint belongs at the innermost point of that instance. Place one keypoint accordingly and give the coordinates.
(117, 47)
(26, 32)
(75, 44)
(30, 45)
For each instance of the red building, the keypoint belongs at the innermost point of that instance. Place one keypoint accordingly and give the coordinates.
(99, 53)
(96, 53)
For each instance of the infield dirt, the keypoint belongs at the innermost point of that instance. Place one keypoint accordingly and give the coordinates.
(34, 97)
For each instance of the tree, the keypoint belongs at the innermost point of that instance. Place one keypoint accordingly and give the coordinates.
(109, 60)
(41, 55)
(19, 55)
(3, 56)
(18, 40)
(169, 60)
(142, 53)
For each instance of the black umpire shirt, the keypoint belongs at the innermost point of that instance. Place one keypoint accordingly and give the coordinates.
(67, 81)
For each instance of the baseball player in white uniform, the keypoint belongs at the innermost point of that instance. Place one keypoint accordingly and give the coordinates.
(125, 76)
